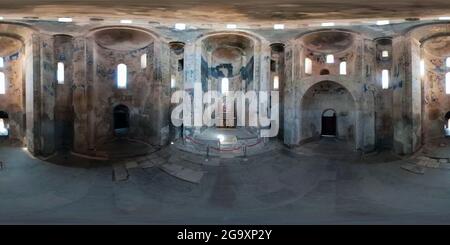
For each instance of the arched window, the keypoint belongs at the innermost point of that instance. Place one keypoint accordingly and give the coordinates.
(4, 124)
(276, 81)
(447, 62)
(385, 54)
(143, 61)
(324, 72)
(224, 87)
(330, 59)
(422, 67)
(2, 83)
(385, 79)
(60, 73)
(173, 81)
(343, 68)
(447, 83)
(308, 66)
(2, 62)
(122, 76)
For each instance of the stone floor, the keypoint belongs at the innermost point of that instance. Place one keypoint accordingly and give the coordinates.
(319, 183)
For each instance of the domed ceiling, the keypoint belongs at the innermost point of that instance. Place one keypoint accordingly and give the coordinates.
(123, 39)
(229, 10)
(328, 42)
(438, 46)
(9, 45)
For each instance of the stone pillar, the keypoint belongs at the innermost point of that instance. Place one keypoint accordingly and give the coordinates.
(91, 67)
(192, 74)
(32, 93)
(163, 83)
(366, 110)
(406, 95)
(292, 71)
(80, 96)
(263, 69)
(48, 83)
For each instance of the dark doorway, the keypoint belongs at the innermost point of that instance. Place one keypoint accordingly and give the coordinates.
(121, 120)
(329, 123)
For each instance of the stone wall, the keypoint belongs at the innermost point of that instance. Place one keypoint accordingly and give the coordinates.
(77, 115)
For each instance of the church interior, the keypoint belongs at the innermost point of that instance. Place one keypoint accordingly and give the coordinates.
(87, 104)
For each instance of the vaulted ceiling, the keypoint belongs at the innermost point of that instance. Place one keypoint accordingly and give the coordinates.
(229, 10)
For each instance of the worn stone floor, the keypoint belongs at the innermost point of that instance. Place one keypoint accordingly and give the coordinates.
(320, 183)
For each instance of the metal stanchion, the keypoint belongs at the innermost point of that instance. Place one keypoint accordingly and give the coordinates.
(244, 149)
(207, 153)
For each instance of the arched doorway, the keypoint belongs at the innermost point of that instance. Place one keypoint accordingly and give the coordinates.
(4, 125)
(121, 120)
(329, 123)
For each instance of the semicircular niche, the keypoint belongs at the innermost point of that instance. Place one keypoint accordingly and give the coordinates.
(9, 45)
(328, 41)
(438, 46)
(122, 39)
(229, 55)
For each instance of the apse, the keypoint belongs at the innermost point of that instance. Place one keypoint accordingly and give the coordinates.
(435, 52)
(227, 56)
(227, 64)
(12, 90)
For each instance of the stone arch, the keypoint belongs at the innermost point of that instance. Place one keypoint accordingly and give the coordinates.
(364, 133)
(320, 97)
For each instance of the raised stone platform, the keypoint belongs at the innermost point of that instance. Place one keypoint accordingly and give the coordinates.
(224, 142)
(438, 149)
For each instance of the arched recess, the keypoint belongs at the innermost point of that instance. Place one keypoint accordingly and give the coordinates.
(147, 91)
(299, 124)
(233, 56)
(17, 44)
(430, 50)
(328, 96)
(313, 47)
